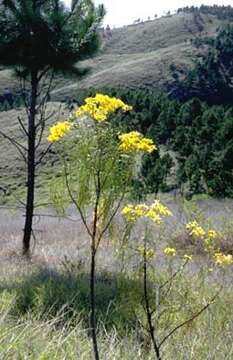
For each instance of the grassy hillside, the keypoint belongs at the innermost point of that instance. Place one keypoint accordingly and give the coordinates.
(140, 55)
(136, 55)
(12, 166)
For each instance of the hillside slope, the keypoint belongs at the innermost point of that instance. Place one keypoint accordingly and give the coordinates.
(140, 55)
(135, 55)
(12, 166)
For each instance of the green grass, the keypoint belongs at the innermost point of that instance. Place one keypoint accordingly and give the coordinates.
(44, 304)
(43, 315)
(12, 166)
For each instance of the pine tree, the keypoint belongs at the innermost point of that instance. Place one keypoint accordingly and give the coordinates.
(39, 38)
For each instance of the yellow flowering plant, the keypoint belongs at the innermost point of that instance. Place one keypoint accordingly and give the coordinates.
(98, 168)
(154, 212)
(208, 237)
(97, 171)
(101, 107)
(149, 253)
(58, 131)
(155, 296)
(195, 230)
(222, 259)
(187, 257)
(169, 251)
(135, 142)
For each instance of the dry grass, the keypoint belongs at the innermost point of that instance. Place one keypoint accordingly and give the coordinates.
(61, 237)
(136, 55)
(44, 303)
(140, 55)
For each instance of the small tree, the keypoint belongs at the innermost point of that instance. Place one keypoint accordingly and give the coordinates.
(39, 38)
(99, 165)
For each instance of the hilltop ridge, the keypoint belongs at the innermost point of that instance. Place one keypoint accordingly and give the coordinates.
(140, 55)
(136, 56)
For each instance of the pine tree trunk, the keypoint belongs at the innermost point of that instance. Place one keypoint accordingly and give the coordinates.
(30, 166)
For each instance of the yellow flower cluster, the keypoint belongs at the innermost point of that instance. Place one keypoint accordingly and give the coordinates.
(168, 251)
(101, 106)
(153, 212)
(57, 131)
(222, 259)
(195, 229)
(187, 257)
(134, 212)
(148, 253)
(212, 234)
(135, 141)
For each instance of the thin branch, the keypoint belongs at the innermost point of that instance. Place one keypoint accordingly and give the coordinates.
(34, 238)
(151, 329)
(174, 275)
(45, 118)
(42, 108)
(43, 73)
(42, 123)
(22, 126)
(12, 208)
(14, 142)
(57, 217)
(24, 94)
(111, 218)
(5, 189)
(41, 132)
(43, 154)
(190, 319)
(98, 193)
(46, 94)
(39, 205)
(75, 202)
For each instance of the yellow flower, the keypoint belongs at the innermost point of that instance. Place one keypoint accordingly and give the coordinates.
(222, 259)
(135, 141)
(134, 212)
(187, 257)
(168, 251)
(148, 253)
(160, 209)
(212, 234)
(101, 106)
(153, 212)
(58, 131)
(195, 230)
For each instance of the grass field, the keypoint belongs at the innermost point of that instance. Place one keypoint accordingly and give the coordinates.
(44, 303)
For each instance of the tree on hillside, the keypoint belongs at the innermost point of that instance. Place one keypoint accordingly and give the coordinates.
(210, 79)
(39, 38)
(221, 12)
